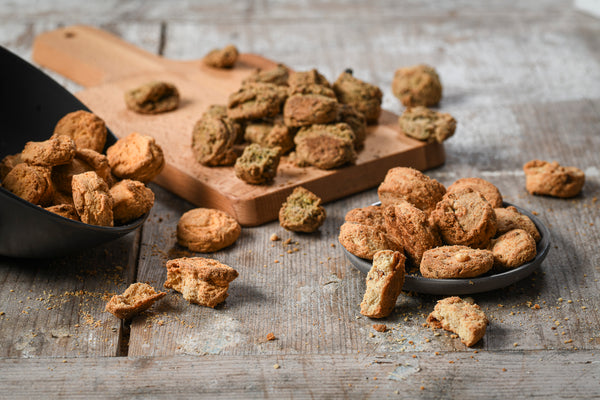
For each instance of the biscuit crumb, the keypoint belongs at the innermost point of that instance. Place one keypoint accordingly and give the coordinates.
(274, 237)
(271, 336)
(276, 366)
(380, 327)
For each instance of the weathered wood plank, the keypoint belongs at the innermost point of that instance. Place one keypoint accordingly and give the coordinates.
(501, 375)
(55, 308)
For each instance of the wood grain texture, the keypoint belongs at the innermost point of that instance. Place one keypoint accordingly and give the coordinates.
(520, 78)
(55, 308)
(549, 374)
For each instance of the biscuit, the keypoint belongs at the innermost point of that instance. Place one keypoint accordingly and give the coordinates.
(136, 298)
(131, 200)
(256, 101)
(200, 280)
(364, 241)
(64, 210)
(212, 141)
(220, 111)
(369, 215)
(510, 218)
(464, 217)
(464, 319)
(222, 58)
(85, 160)
(92, 199)
(363, 96)
(258, 165)
(278, 76)
(418, 85)
(8, 163)
(87, 130)
(409, 227)
(552, 179)
(408, 184)
(303, 78)
(55, 151)
(136, 157)
(325, 146)
(384, 284)
(309, 109)
(357, 122)
(207, 230)
(153, 98)
(302, 211)
(314, 89)
(447, 262)
(272, 135)
(427, 125)
(489, 191)
(513, 249)
(31, 183)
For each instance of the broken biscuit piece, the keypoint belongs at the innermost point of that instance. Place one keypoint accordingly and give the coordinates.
(200, 280)
(302, 211)
(55, 151)
(384, 283)
(131, 200)
(92, 199)
(456, 315)
(137, 297)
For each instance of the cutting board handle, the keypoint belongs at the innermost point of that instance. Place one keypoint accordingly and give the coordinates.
(90, 56)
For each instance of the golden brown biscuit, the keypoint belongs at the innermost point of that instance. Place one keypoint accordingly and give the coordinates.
(309, 109)
(384, 284)
(489, 191)
(510, 218)
(153, 98)
(136, 157)
(213, 139)
(370, 215)
(131, 200)
(457, 316)
(408, 184)
(364, 241)
(258, 165)
(31, 183)
(464, 217)
(363, 96)
(64, 210)
(55, 151)
(270, 134)
(256, 101)
(277, 76)
(302, 211)
(85, 160)
(207, 230)
(455, 262)
(222, 58)
(136, 298)
(513, 249)
(325, 146)
(552, 179)
(8, 163)
(409, 227)
(92, 199)
(427, 125)
(200, 280)
(86, 129)
(418, 85)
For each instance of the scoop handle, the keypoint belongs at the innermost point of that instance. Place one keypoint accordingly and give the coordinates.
(90, 56)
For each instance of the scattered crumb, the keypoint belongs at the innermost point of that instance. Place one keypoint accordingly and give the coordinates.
(503, 369)
(287, 241)
(271, 336)
(276, 366)
(380, 327)
(274, 237)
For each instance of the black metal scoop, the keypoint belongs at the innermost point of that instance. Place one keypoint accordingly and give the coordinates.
(31, 103)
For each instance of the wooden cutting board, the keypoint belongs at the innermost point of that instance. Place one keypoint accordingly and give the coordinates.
(107, 66)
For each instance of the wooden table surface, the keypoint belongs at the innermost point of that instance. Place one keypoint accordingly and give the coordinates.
(522, 80)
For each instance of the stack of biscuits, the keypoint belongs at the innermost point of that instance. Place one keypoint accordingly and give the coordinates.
(279, 111)
(68, 175)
